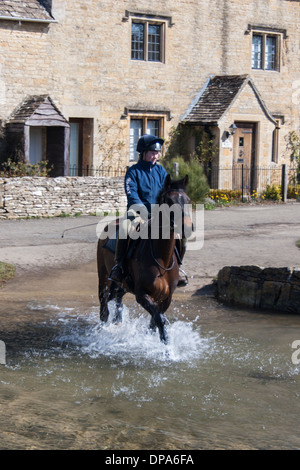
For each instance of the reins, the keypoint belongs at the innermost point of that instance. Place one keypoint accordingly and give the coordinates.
(158, 264)
(151, 247)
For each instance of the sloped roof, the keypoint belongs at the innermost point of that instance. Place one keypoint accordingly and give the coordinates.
(35, 109)
(216, 97)
(24, 9)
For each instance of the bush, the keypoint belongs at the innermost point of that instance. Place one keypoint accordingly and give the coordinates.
(198, 187)
(12, 169)
(293, 192)
(272, 193)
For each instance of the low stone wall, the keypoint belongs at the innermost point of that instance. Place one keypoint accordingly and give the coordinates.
(48, 197)
(275, 289)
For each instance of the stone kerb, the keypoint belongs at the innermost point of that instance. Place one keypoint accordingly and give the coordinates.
(275, 289)
(49, 197)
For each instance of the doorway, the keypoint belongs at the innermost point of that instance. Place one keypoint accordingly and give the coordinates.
(244, 157)
(48, 143)
(81, 147)
(36, 145)
(76, 147)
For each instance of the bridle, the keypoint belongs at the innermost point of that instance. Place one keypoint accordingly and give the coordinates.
(179, 190)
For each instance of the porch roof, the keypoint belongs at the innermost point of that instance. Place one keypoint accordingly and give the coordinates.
(38, 110)
(216, 97)
(30, 10)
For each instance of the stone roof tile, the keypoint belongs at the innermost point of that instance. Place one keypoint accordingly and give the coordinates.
(215, 98)
(26, 9)
(29, 106)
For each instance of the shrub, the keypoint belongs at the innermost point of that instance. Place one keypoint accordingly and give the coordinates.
(13, 169)
(293, 192)
(272, 193)
(198, 187)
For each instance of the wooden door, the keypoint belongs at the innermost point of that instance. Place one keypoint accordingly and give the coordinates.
(244, 157)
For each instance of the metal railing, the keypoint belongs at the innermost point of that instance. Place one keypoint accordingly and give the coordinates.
(250, 179)
(91, 170)
(235, 177)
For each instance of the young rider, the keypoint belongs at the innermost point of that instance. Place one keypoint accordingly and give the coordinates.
(143, 183)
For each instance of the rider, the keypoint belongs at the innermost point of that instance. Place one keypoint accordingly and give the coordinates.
(143, 183)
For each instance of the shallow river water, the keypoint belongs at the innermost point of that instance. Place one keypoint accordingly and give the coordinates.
(226, 380)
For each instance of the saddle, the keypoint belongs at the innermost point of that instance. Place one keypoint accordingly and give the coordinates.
(111, 244)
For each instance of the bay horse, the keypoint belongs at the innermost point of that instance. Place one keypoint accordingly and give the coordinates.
(152, 271)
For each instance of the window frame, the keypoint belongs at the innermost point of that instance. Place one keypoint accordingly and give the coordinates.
(162, 35)
(145, 117)
(265, 33)
(147, 19)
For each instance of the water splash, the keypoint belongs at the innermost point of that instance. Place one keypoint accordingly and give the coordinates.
(132, 338)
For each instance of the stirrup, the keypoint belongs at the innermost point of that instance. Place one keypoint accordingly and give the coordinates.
(183, 282)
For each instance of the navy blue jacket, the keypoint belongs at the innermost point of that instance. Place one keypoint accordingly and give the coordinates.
(143, 183)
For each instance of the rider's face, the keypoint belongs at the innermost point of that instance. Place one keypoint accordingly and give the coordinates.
(151, 156)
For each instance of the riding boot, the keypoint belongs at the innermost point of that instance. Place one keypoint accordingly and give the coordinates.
(183, 281)
(117, 271)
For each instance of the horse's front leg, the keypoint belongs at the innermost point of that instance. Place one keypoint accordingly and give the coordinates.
(103, 298)
(118, 295)
(157, 318)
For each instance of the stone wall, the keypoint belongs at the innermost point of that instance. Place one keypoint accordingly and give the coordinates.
(47, 197)
(276, 289)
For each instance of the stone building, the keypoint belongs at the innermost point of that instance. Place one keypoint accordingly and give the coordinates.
(81, 80)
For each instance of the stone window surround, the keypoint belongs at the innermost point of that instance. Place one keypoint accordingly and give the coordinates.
(150, 18)
(265, 31)
(144, 115)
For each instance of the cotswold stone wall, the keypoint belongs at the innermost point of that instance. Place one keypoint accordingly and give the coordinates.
(275, 289)
(47, 197)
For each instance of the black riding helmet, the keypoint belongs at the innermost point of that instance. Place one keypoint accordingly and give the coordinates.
(149, 142)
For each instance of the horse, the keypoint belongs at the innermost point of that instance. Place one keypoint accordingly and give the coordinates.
(152, 271)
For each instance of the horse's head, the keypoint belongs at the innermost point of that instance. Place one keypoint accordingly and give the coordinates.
(174, 197)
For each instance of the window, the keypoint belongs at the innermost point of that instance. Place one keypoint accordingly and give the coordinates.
(270, 55)
(147, 40)
(137, 41)
(154, 42)
(140, 126)
(265, 51)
